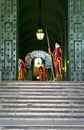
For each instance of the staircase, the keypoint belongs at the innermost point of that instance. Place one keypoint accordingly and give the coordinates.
(41, 105)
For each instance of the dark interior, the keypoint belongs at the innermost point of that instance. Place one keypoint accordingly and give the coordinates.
(53, 17)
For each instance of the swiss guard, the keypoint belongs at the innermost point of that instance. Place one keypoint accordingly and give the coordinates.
(57, 60)
(43, 72)
(21, 69)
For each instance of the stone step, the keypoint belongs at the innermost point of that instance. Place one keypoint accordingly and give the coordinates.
(41, 105)
(41, 84)
(45, 127)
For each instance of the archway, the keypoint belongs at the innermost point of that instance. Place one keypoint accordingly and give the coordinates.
(54, 18)
(30, 57)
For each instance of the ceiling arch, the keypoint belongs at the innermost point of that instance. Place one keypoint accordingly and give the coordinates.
(54, 14)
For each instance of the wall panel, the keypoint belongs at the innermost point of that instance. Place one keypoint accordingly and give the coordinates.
(76, 40)
(8, 39)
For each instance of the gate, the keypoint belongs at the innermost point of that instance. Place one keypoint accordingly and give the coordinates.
(8, 39)
(76, 40)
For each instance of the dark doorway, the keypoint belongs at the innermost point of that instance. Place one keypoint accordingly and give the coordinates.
(54, 17)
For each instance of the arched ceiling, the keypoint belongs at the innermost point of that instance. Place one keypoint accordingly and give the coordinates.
(54, 18)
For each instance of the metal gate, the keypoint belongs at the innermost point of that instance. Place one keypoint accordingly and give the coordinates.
(8, 39)
(76, 40)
